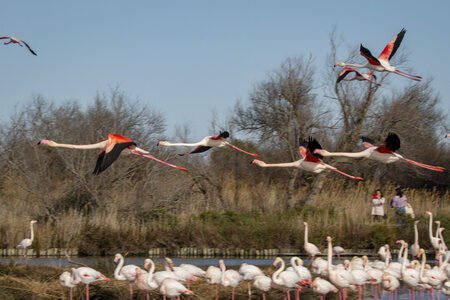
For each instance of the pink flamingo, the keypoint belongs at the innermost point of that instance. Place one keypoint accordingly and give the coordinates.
(381, 64)
(338, 250)
(172, 288)
(341, 278)
(435, 241)
(384, 153)
(310, 161)
(25, 243)
(323, 287)
(310, 248)
(86, 276)
(249, 272)
(358, 76)
(207, 143)
(229, 278)
(415, 247)
(17, 41)
(127, 273)
(214, 276)
(262, 283)
(144, 281)
(110, 150)
(285, 280)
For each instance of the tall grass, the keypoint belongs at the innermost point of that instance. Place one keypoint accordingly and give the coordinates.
(258, 221)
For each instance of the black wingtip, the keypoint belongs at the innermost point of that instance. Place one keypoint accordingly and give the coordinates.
(39, 143)
(182, 154)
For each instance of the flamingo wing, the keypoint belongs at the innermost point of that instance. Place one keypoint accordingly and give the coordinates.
(4, 37)
(368, 143)
(313, 144)
(392, 47)
(366, 53)
(116, 144)
(302, 151)
(199, 149)
(31, 50)
(345, 72)
(310, 145)
(392, 142)
(101, 155)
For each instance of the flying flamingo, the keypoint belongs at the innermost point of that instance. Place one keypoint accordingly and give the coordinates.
(415, 247)
(207, 143)
(384, 153)
(172, 288)
(341, 278)
(310, 162)
(285, 280)
(249, 272)
(25, 243)
(86, 275)
(358, 76)
(65, 279)
(110, 150)
(17, 41)
(229, 278)
(447, 135)
(127, 273)
(381, 64)
(310, 248)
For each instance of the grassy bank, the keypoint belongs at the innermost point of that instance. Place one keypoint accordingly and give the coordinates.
(341, 211)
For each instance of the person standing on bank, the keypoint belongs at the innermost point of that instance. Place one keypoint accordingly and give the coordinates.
(399, 202)
(378, 205)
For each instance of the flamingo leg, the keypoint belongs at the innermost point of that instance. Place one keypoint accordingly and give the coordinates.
(408, 74)
(371, 81)
(71, 293)
(87, 291)
(232, 294)
(412, 78)
(348, 175)
(249, 290)
(148, 296)
(131, 291)
(217, 292)
(158, 160)
(433, 168)
(239, 149)
(264, 295)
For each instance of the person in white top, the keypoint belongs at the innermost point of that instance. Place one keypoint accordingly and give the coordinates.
(378, 205)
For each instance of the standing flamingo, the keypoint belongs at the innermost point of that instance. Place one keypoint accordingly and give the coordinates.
(415, 247)
(214, 276)
(182, 273)
(17, 41)
(338, 250)
(249, 272)
(127, 273)
(172, 288)
(358, 76)
(310, 248)
(341, 278)
(110, 150)
(207, 143)
(384, 153)
(86, 276)
(229, 278)
(285, 280)
(25, 243)
(262, 283)
(409, 276)
(435, 241)
(390, 283)
(65, 279)
(381, 64)
(310, 162)
(323, 287)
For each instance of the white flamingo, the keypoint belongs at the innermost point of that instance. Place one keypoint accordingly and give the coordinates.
(25, 243)
(142, 282)
(182, 273)
(229, 278)
(125, 273)
(262, 283)
(15, 40)
(323, 287)
(341, 278)
(390, 283)
(110, 150)
(433, 278)
(384, 153)
(172, 288)
(415, 247)
(303, 273)
(409, 276)
(87, 276)
(249, 272)
(285, 280)
(65, 279)
(383, 252)
(310, 161)
(194, 270)
(207, 143)
(435, 241)
(338, 250)
(310, 248)
(214, 276)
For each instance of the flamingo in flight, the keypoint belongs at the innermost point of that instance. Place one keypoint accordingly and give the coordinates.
(17, 41)
(358, 76)
(311, 161)
(110, 150)
(381, 64)
(384, 153)
(207, 143)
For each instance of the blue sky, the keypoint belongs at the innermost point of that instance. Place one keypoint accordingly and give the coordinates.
(187, 59)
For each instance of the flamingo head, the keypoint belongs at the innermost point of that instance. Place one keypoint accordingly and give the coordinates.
(169, 262)
(421, 252)
(400, 242)
(33, 221)
(162, 143)
(299, 288)
(437, 222)
(258, 162)
(328, 238)
(277, 261)
(305, 223)
(102, 277)
(188, 292)
(417, 222)
(442, 229)
(339, 64)
(221, 265)
(117, 257)
(146, 263)
(318, 151)
(46, 142)
(428, 212)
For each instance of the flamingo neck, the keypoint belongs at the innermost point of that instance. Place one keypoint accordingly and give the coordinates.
(276, 275)
(356, 66)
(437, 229)
(150, 272)
(306, 234)
(117, 274)
(416, 234)
(388, 254)
(32, 232)
(100, 145)
(400, 252)
(405, 257)
(182, 144)
(422, 268)
(430, 227)
(329, 256)
(445, 263)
